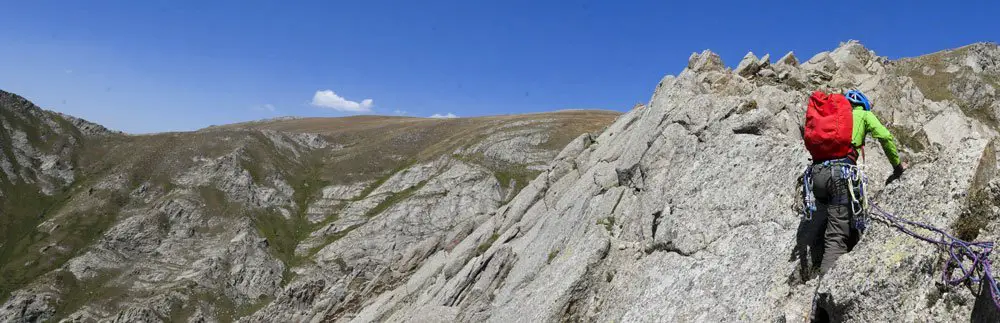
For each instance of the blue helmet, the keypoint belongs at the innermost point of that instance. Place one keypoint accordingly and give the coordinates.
(858, 98)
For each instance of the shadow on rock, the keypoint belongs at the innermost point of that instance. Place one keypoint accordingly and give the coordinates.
(827, 310)
(809, 245)
(985, 310)
(808, 248)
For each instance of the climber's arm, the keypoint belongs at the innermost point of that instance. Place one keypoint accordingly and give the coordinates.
(878, 131)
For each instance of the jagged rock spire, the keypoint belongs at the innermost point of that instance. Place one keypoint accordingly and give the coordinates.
(789, 59)
(749, 65)
(706, 61)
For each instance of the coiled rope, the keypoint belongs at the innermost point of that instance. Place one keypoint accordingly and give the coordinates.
(969, 257)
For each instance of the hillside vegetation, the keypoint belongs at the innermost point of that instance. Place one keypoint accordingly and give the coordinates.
(214, 223)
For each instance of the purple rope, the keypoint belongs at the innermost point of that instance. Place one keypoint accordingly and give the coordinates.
(959, 250)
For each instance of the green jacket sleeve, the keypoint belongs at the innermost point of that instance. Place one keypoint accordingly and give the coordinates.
(875, 127)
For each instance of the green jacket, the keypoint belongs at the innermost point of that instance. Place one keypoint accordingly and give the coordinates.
(866, 122)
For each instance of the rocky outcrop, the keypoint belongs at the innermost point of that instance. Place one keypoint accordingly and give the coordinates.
(36, 146)
(516, 143)
(687, 210)
(789, 59)
(706, 61)
(750, 65)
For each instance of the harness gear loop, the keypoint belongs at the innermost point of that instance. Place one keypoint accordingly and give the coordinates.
(857, 183)
(808, 198)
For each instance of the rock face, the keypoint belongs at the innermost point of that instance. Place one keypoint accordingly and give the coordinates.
(686, 209)
(683, 209)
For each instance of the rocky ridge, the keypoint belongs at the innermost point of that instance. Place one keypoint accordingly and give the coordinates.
(687, 209)
(219, 224)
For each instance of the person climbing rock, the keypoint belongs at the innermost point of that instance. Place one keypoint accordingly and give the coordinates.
(835, 131)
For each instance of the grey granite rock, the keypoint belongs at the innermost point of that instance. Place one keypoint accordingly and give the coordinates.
(697, 192)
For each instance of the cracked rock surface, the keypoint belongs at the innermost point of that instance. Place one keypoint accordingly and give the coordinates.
(686, 209)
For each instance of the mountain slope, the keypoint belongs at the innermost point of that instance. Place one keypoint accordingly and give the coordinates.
(39, 161)
(216, 224)
(683, 209)
(687, 209)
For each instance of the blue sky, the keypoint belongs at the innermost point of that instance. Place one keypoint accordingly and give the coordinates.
(151, 66)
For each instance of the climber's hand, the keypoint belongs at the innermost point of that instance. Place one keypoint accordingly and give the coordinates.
(897, 171)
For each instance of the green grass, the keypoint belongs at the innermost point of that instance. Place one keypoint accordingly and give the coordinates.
(505, 173)
(216, 202)
(393, 199)
(255, 170)
(935, 87)
(608, 222)
(486, 244)
(225, 309)
(21, 257)
(552, 256)
(284, 235)
(181, 312)
(381, 180)
(31, 127)
(75, 293)
(24, 207)
(519, 176)
(331, 239)
(994, 80)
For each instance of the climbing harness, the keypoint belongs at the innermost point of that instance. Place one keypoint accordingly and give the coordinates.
(857, 184)
(857, 188)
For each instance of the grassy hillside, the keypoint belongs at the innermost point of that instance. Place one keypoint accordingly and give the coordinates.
(129, 199)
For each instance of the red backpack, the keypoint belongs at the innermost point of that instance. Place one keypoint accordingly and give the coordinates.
(829, 122)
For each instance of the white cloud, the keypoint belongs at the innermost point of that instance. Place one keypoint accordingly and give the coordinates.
(444, 116)
(399, 112)
(329, 99)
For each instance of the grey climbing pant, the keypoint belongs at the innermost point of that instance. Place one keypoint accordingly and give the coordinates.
(832, 209)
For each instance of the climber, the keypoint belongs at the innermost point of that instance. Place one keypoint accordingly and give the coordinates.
(835, 131)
